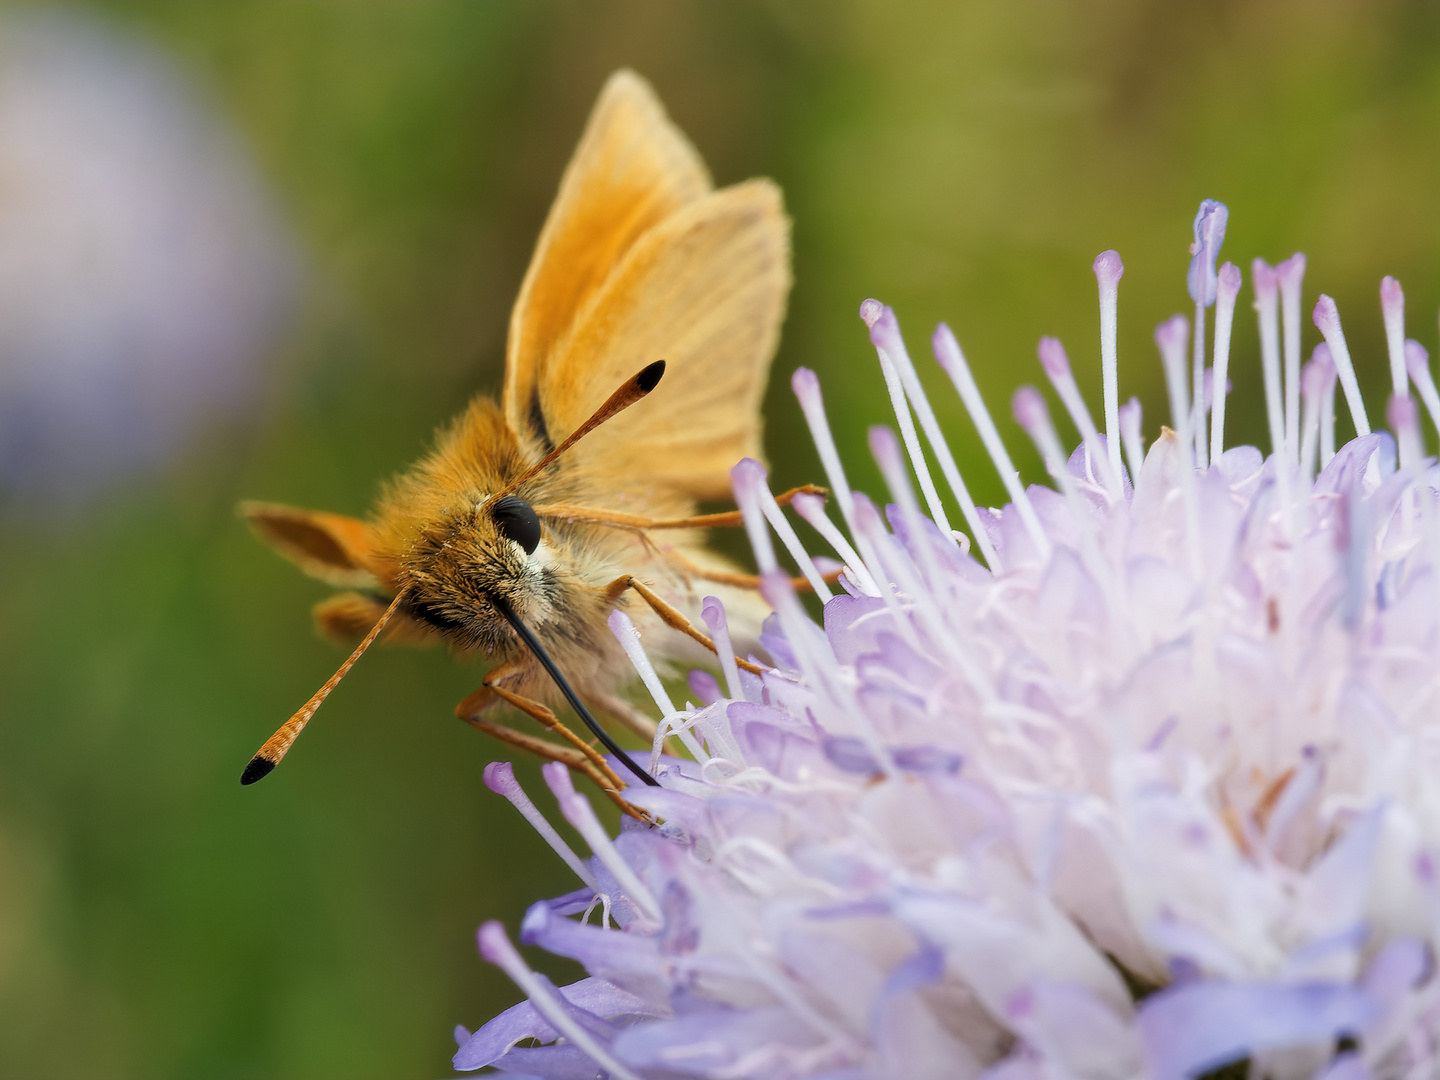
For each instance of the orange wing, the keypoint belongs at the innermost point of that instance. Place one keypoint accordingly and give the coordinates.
(632, 170)
(677, 272)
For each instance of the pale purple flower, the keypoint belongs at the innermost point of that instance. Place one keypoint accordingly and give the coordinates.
(144, 270)
(1139, 778)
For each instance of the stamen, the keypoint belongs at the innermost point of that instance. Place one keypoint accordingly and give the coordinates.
(869, 535)
(947, 352)
(500, 778)
(1262, 276)
(1108, 271)
(1227, 289)
(1171, 336)
(1291, 274)
(1417, 363)
(746, 478)
(579, 813)
(624, 630)
(1033, 415)
(1197, 421)
(817, 667)
(886, 451)
(1327, 417)
(1057, 366)
(1327, 320)
(910, 379)
(1317, 377)
(890, 347)
(773, 514)
(806, 386)
(1129, 416)
(496, 948)
(712, 611)
(1404, 418)
(1392, 304)
(811, 509)
(1209, 235)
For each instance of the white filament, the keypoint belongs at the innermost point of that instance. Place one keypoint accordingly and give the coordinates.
(1224, 323)
(773, 514)
(1344, 366)
(811, 509)
(947, 351)
(500, 952)
(910, 380)
(1291, 275)
(629, 637)
(581, 815)
(1265, 306)
(521, 801)
(1110, 364)
(908, 434)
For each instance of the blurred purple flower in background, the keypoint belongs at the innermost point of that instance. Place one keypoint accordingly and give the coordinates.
(1143, 783)
(143, 271)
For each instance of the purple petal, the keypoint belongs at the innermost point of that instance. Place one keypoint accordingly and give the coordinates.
(1344, 1067)
(520, 1022)
(852, 624)
(772, 640)
(711, 1040)
(849, 754)
(547, 1063)
(1191, 1029)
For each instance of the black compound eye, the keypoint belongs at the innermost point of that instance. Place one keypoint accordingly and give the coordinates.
(517, 521)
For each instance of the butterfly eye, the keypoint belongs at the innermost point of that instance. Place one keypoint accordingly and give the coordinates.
(517, 521)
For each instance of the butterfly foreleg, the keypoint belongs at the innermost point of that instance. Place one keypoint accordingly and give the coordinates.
(579, 755)
(730, 577)
(669, 615)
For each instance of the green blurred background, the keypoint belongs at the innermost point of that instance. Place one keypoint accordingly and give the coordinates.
(960, 162)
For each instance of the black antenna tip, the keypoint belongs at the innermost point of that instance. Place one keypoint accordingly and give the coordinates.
(649, 376)
(258, 769)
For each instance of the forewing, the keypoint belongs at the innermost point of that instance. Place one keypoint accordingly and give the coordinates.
(632, 170)
(704, 291)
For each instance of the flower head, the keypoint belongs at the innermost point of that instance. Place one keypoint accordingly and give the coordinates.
(1139, 778)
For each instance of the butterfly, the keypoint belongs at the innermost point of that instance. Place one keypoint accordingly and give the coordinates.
(503, 541)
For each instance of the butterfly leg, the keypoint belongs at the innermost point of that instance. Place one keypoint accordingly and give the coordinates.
(579, 755)
(740, 581)
(669, 615)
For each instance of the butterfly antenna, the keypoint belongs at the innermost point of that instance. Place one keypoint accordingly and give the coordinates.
(276, 746)
(645, 380)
